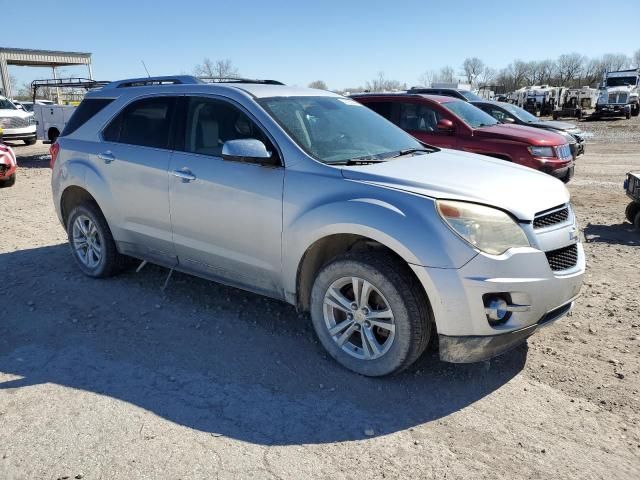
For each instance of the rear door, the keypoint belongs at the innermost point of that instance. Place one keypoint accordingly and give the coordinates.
(227, 216)
(133, 160)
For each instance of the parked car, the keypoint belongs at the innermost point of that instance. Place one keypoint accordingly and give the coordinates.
(309, 197)
(508, 113)
(16, 123)
(459, 93)
(27, 106)
(8, 165)
(632, 188)
(451, 123)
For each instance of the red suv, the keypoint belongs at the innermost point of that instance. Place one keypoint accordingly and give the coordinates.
(452, 123)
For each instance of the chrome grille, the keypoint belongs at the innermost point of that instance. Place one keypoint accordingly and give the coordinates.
(617, 98)
(14, 122)
(551, 218)
(564, 151)
(563, 258)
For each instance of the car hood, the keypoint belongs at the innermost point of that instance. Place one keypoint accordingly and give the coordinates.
(5, 112)
(556, 125)
(456, 175)
(620, 89)
(520, 133)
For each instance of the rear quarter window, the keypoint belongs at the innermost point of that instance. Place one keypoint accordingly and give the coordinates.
(87, 109)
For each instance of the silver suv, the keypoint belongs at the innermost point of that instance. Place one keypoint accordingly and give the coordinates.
(311, 198)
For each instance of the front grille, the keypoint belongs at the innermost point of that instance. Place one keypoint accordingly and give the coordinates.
(617, 98)
(564, 151)
(14, 122)
(563, 258)
(552, 218)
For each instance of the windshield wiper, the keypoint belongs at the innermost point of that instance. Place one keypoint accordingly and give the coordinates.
(409, 151)
(358, 161)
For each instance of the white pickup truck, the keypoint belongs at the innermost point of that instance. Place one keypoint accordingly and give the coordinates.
(16, 123)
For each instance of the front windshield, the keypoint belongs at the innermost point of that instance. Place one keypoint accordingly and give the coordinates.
(469, 114)
(520, 113)
(620, 81)
(338, 129)
(472, 97)
(6, 105)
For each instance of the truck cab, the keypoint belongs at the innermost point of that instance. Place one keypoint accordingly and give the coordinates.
(619, 94)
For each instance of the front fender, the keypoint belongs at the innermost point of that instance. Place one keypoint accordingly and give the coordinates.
(405, 223)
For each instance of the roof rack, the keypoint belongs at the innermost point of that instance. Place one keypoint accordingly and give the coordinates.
(149, 81)
(75, 82)
(238, 80)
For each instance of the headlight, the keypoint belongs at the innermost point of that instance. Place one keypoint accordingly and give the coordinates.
(485, 228)
(32, 120)
(542, 151)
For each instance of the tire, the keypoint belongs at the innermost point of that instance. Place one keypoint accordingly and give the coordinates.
(9, 182)
(632, 211)
(635, 109)
(110, 262)
(53, 134)
(30, 141)
(627, 114)
(636, 221)
(555, 115)
(392, 285)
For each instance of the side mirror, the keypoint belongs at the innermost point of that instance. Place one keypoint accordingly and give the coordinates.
(248, 150)
(508, 120)
(445, 125)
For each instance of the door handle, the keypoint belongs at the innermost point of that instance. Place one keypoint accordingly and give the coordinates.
(107, 157)
(185, 175)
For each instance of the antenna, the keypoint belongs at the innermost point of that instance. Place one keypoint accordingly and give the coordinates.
(145, 69)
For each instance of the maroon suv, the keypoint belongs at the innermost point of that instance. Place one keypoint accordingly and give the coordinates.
(451, 123)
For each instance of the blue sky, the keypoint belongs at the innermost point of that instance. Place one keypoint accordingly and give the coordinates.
(341, 42)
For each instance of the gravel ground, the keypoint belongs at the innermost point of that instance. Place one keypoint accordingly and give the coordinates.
(104, 379)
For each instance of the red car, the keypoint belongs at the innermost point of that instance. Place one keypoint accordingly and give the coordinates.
(452, 123)
(8, 166)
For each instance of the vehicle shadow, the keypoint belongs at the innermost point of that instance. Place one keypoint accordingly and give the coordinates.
(212, 358)
(621, 234)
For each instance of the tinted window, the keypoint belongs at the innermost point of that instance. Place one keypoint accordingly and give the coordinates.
(86, 110)
(417, 117)
(210, 123)
(145, 122)
(381, 108)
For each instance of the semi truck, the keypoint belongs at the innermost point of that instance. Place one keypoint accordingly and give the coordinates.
(619, 94)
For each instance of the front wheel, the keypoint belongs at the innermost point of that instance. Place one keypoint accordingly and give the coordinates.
(370, 314)
(30, 141)
(635, 109)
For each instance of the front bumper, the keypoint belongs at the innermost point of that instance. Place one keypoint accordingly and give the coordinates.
(25, 133)
(612, 110)
(456, 296)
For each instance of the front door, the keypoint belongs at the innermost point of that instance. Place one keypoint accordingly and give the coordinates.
(421, 120)
(226, 215)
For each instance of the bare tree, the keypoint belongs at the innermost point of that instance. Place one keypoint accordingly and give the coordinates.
(487, 76)
(570, 67)
(319, 84)
(426, 79)
(615, 61)
(445, 75)
(382, 84)
(472, 68)
(217, 68)
(636, 58)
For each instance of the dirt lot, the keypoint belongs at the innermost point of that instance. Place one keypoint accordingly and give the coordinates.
(114, 379)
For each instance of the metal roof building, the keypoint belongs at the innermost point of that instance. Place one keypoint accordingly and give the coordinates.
(38, 58)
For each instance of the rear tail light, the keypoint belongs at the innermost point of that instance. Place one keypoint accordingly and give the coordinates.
(54, 149)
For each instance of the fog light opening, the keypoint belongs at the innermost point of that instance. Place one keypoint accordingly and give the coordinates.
(496, 307)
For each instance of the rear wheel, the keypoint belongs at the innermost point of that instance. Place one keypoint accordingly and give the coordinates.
(9, 182)
(30, 141)
(53, 134)
(632, 211)
(91, 242)
(370, 314)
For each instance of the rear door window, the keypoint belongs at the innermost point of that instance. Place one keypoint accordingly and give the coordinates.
(145, 122)
(85, 111)
(381, 108)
